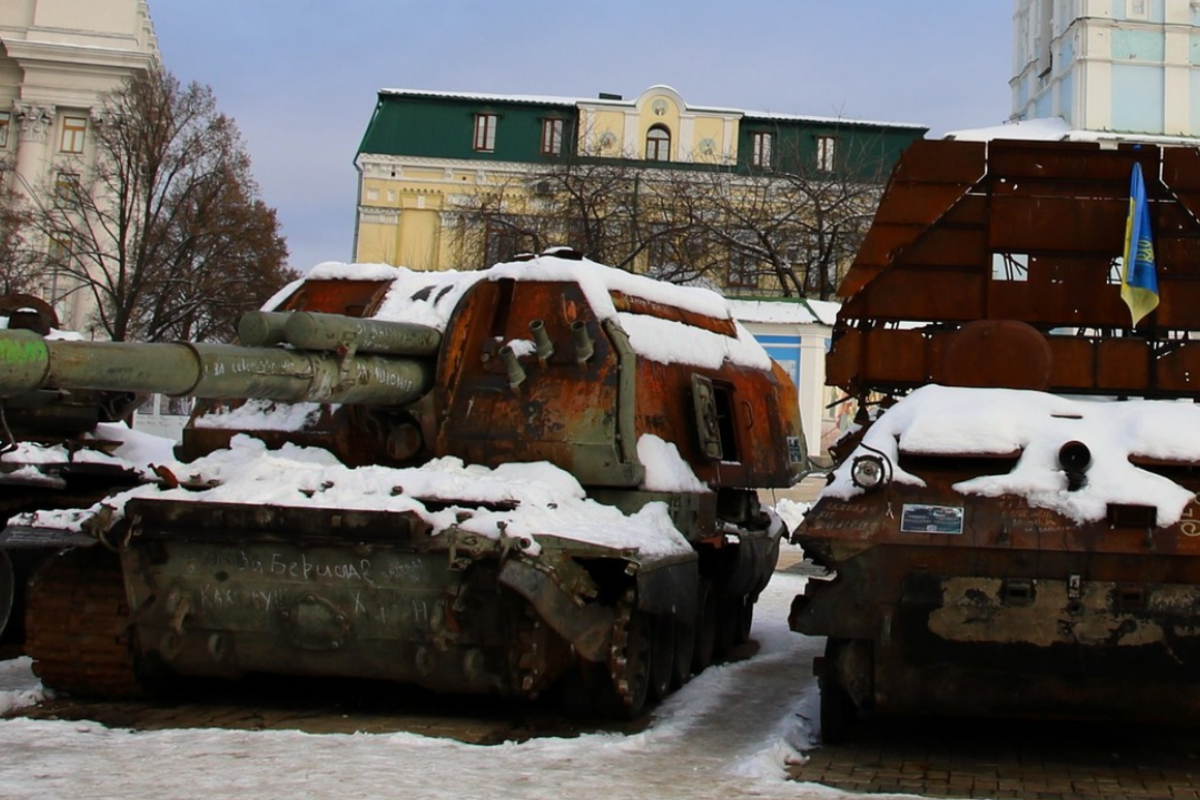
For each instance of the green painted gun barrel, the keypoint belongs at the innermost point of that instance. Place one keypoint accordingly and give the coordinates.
(309, 331)
(29, 363)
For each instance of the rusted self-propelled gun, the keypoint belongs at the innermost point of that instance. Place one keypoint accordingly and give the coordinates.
(57, 450)
(1012, 526)
(540, 475)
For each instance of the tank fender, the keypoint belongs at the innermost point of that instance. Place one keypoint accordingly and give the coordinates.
(757, 555)
(30, 537)
(587, 626)
(670, 588)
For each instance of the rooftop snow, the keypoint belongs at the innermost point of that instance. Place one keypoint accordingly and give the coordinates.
(1056, 129)
(1050, 129)
(551, 100)
(943, 420)
(806, 312)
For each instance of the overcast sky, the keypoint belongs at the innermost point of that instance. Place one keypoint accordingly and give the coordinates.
(301, 76)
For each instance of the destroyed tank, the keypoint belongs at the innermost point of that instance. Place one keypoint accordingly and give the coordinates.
(1011, 528)
(533, 479)
(56, 451)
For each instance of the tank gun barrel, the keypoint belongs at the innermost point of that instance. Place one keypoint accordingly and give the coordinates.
(29, 363)
(335, 332)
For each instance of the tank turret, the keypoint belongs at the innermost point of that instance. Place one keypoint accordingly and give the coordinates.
(647, 406)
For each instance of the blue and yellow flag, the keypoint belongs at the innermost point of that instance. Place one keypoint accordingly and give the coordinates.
(1139, 283)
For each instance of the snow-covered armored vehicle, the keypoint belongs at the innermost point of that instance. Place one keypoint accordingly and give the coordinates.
(58, 449)
(1012, 527)
(499, 482)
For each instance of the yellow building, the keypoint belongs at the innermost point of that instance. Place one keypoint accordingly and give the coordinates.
(430, 159)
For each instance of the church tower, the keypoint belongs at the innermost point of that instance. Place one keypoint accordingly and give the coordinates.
(1111, 66)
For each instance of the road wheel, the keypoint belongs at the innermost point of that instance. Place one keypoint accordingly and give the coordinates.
(838, 711)
(662, 656)
(8, 584)
(745, 619)
(706, 627)
(685, 645)
(629, 661)
(728, 621)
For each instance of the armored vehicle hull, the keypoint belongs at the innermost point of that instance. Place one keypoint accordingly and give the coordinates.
(1010, 527)
(532, 490)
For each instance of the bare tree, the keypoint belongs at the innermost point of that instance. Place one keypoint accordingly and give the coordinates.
(790, 229)
(797, 226)
(605, 208)
(20, 263)
(166, 230)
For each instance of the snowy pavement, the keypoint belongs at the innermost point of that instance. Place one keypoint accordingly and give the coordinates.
(728, 733)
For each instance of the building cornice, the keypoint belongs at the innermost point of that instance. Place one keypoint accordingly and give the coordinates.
(59, 56)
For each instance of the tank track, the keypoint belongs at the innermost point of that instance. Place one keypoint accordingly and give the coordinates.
(76, 622)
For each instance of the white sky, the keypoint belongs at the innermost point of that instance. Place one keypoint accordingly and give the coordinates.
(300, 77)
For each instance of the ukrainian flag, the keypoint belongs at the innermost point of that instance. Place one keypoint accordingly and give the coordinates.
(1139, 283)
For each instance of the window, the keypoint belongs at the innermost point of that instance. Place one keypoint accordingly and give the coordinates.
(66, 188)
(1010, 266)
(743, 270)
(826, 156)
(658, 144)
(501, 243)
(485, 132)
(761, 144)
(5, 121)
(73, 129)
(552, 137)
(175, 406)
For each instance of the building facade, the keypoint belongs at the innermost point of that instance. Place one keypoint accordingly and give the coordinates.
(58, 58)
(796, 333)
(1113, 66)
(428, 157)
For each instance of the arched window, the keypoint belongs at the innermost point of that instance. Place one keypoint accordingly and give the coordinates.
(658, 143)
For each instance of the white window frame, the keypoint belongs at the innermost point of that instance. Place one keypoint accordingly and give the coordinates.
(485, 133)
(5, 126)
(68, 188)
(552, 136)
(74, 133)
(660, 137)
(762, 145)
(826, 153)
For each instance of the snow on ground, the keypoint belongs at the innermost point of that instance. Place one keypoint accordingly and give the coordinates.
(726, 734)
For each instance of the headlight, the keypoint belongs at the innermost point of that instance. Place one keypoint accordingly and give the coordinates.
(1075, 459)
(867, 472)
